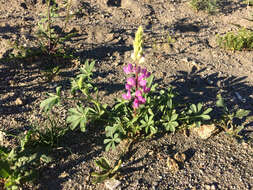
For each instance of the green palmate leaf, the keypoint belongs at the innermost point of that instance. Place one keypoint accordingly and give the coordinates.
(193, 108)
(199, 107)
(148, 123)
(54, 99)
(171, 126)
(112, 141)
(174, 117)
(78, 116)
(170, 123)
(207, 111)
(240, 113)
(205, 117)
(110, 130)
(86, 70)
(150, 80)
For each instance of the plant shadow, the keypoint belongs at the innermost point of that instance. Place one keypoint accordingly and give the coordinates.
(69, 158)
(194, 88)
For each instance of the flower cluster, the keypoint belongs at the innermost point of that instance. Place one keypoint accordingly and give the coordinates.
(136, 86)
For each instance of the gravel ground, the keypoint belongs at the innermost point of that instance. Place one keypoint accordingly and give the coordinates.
(195, 66)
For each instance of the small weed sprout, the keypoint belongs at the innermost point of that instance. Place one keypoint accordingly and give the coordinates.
(211, 6)
(227, 119)
(51, 42)
(243, 40)
(248, 2)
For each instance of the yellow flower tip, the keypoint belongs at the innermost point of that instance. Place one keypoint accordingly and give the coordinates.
(142, 60)
(138, 44)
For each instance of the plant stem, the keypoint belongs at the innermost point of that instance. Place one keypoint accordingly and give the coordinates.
(136, 84)
(68, 14)
(49, 26)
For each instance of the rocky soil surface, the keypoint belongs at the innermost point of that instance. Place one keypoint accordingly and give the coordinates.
(194, 64)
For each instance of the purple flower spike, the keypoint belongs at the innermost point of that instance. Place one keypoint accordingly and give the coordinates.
(128, 69)
(127, 96)
(136, 103)
(131, 81)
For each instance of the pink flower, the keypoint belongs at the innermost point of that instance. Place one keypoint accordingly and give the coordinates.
(138, 93)
(147, 74)
(141, 100)
(128, 87)
(143, 83)
(131, 81)
(137, 70)
(146, 90)
(144, 71)
(141, 76)
(127, 96)
(128, 69)
(136, 103)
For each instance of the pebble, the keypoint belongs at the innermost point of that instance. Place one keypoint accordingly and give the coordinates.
(210, 187)
(112, 184)
(204, 131)
(18, 101)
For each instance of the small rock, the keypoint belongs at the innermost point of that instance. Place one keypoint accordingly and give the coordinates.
(204, 131)
(18, 101)
(172, 164)
(23, 5)
(180, 157)
(186, 59)
(64, 174)
(134, 6)
(112, 184)
(12, 82)
(207, 187)
(2, 138)
(213, 187)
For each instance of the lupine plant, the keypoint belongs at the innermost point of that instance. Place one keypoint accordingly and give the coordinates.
(142, 112)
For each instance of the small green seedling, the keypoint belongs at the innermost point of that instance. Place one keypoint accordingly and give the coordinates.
(242, 40)
(107, 172)
(227, 119)
(17, 164)
(210, 6)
